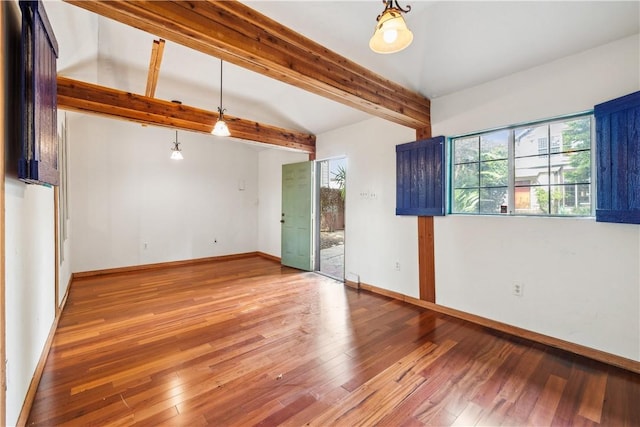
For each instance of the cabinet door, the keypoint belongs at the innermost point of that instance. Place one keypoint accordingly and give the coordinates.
(618, 159)
(38, 162)
(420, 178)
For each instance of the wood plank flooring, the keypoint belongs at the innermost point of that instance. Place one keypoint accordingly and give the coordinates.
(248, 342)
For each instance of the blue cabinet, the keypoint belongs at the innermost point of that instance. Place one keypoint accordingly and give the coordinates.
(38, 162)
(420, 178)
(618, 159)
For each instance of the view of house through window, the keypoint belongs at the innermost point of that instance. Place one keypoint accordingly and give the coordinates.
(539, 169)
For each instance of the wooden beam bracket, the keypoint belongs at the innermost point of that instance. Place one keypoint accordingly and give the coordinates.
(157, 50)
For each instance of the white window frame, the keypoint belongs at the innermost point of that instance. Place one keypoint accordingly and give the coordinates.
(511, 189)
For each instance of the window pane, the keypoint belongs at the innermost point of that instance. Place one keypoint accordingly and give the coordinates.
(465, 150)
(583, 194)
(533, 169)
(571, 199)
(491, 199)
(540, 198)
(494, 174)
(532, 200)
(466, 175)
(570, 168)
(556, 130)
(523, 200)
(494, 145)
(466, 201)
(531, 141)
(555, 146)
(575, 134)
(556, 196)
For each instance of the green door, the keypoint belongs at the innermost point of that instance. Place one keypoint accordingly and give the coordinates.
(297, 187)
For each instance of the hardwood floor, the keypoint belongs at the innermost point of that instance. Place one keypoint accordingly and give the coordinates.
(247, 342)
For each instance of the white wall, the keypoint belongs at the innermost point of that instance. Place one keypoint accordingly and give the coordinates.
(29, 249)
(30, 284)
(375, 238)
(125, 193)
(569, 85)
(270, 190)
(581, 278)
(77, 55)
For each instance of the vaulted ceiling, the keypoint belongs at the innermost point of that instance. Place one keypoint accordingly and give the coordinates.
(457, 45)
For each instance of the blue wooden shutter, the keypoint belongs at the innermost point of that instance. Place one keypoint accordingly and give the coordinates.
(38, 162)
(420, 178)
(618, 159)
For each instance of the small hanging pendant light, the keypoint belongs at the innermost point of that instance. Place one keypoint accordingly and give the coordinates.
(391, 34)
(176, 152)
(221, 128)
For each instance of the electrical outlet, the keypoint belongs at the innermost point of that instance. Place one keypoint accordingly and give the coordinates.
(397, 265)
(146, 245)
(518, 289)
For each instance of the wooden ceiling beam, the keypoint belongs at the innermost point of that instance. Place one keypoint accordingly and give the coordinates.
(238, 34)
(74, 95)
(157, 50)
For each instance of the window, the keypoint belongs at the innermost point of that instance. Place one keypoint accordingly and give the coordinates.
(481, 172)
(543, 145)
(537, 169)
(556, 143)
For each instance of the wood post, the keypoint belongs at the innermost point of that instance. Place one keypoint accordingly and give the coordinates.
(426, 250)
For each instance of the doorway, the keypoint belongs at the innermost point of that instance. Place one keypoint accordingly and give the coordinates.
(331, 177)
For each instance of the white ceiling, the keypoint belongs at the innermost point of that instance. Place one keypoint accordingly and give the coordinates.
(457, 44)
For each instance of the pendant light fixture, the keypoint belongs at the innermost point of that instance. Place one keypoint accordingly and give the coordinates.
(221, 128)
(176, 152)
(391, 34)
